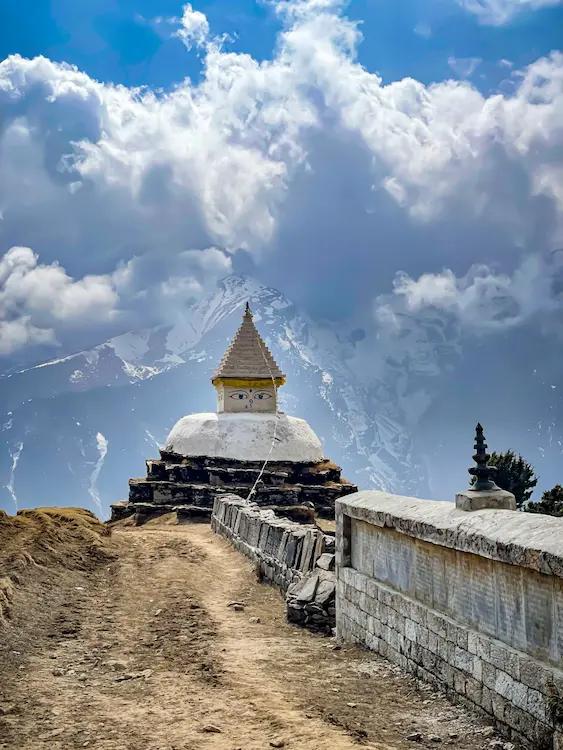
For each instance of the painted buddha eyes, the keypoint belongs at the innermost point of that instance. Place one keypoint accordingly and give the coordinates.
(243, 395)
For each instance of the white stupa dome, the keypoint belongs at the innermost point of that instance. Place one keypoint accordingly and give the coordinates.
(245, 437)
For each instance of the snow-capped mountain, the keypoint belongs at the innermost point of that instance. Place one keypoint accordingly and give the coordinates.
(75, 429)
(396, 412)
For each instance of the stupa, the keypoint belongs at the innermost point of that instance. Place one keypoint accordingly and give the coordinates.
(247, 447)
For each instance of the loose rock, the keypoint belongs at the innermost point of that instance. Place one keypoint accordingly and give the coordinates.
(211, 729)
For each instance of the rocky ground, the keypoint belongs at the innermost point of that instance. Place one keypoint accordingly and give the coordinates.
(162, 639)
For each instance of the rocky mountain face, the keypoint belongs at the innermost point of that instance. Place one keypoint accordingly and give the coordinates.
(73, 430)
(397, 412)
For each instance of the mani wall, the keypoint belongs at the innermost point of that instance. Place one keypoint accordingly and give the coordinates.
(470, 602)
(297, 558)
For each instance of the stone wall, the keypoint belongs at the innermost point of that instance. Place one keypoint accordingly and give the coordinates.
(285, 550)
(298, 558)
(189, 485)
(470, 602)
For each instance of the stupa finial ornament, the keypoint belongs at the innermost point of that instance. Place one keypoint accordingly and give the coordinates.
(483, 472)
(484, 493)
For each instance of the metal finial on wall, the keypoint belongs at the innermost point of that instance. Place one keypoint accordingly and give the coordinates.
(482, 472)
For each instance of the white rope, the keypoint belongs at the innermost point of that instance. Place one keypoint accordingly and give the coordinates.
(274, 436)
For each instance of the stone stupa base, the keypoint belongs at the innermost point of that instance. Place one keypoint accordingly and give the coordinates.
(188, 486)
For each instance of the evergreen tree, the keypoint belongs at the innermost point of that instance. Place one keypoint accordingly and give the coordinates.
(514, 474)
(551, 503)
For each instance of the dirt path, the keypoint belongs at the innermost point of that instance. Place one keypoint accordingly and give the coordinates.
(144, 653)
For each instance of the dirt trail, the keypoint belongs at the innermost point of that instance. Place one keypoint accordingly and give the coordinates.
(144, 653)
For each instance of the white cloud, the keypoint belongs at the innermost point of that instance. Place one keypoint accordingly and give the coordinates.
(464, 67)
(40, 303)
(98, 176)
(423, 29)
(222, 155)
(19, 333)
(37, 298)
(499, 12)
(194, 27)
(482, 301)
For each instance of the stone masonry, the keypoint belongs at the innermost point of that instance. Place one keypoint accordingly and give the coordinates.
(297, 558)
(189, 485)
(471, 603)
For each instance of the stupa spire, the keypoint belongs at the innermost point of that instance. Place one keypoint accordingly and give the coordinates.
(248, 376)
(247, 355)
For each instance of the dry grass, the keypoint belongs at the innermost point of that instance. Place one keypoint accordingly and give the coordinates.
(51, 539)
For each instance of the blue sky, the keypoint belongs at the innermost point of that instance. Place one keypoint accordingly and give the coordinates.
(419, 137)
(132, 42)
(394, 168)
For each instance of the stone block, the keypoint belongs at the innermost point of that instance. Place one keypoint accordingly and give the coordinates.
(429, 660)
(361, 582)
(411, 630)
(423, 636)
(535, 704)
(436, 624)
(474, 690)
(499, 705)
(443, 649)
(372, 589)
(362, 619)
(532, 673)
(460, 678)
(505, 659)
(519, 720)
(373, 606)
(347, 575)
(487, 700)
(385, 597)
(463, 660)
(519, 697)
(325, 561)
(305, 562)
(325, 591)
(504, 685)
(462, 638)
(477, 670)
(479, 645)
(489, 675)
(470, 500)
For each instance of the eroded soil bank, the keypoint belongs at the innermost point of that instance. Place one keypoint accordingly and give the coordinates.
(137, 648)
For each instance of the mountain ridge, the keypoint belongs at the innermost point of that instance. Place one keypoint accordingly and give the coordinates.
(61, 415)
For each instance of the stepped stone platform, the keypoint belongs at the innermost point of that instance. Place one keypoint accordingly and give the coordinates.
(189, 486)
